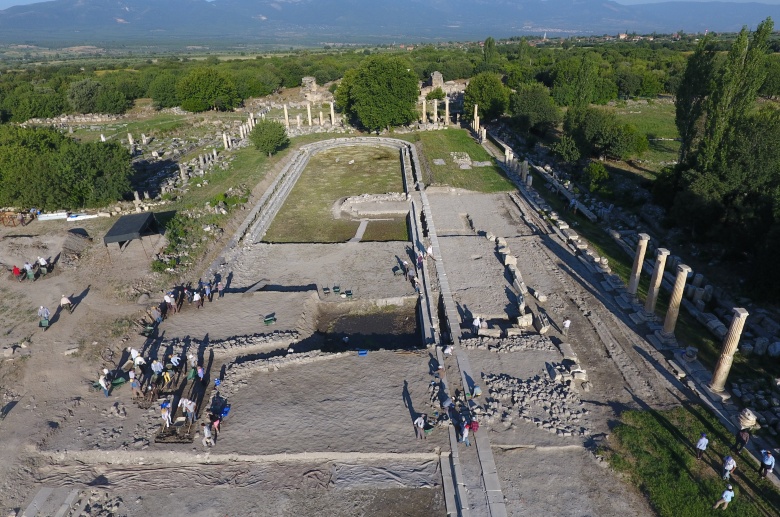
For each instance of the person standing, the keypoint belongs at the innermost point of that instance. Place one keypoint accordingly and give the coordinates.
(741, 440)
(197, 299)
(208, 294)
(208, 441)
(701, 445)
(165, 414)
(135, 386)
(475, 325)
(725, 498)
(419, 427)
(104, 384)
(566, 325)
(17, 273)
(220, 289)
(65, 303)
(201, 374)
(465, 434)
(729, 466)
(188, 406)
(767, 463)
(175, 361)
(169, 303)
(44, 314)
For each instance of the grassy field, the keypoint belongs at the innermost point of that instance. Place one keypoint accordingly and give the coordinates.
(655, 450)
(655, 120)
(439, 145)
(307, 214)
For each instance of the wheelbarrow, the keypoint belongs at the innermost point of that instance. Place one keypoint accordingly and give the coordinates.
(44, 324)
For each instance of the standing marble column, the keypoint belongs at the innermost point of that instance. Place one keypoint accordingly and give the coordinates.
(730, 342)
(446, 111)
(674, 303)
(298, 120)
(655, 281)
(639, 259)
(424, 114)
(476, 119)
(435, 110)
(286, 118)
(130, 139)
(225, 141)
(332, 115)
(308, 112)
(322, 120)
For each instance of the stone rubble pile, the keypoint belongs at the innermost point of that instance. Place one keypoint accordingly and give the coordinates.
(760, 400)
(510, 343)
(550, 405)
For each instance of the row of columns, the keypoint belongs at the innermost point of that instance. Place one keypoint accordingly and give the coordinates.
(308, 114)
(730, 341)
(435, 112)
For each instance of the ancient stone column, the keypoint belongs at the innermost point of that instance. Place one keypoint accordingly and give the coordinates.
(130, 139)
(308, 112)
(476, 119)
(286, 118)
(298, 120)
(102, 137)
(435, 110)
(446, 111)
(332, 115)
(322, 119)
(639, 259)
(215, 154)
(730, 343)
(655, 280)
(225, 141)
(529, 180)
(241, 131)
(424, 114)
(674, 302)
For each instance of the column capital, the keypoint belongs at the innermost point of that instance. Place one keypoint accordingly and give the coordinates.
(740, 313)
(683, 268)
(662, 252)
(644, 237)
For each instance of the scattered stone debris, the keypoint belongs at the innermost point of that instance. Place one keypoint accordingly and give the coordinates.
(511, 343)
(551, 405)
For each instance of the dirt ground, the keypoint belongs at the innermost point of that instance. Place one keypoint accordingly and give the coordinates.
(333, 436)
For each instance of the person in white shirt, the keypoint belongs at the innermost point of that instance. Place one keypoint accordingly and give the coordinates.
(157, 367)
(476, 324)
(65, 303)
(701, 445)
(133, 353)
(566, 325)
(104, 384)
(165, 414)
(208, 441)
(465, 434)
(729, 466)
(419, 427)
(188, 406)
(197, 299)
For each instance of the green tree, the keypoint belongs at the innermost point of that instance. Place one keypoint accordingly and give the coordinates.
(207, 89)
(437, 93)
(735, 92)
(691, 96)
(597, 174)
(380, 93)
(83, 95)
(110, 100)
(162, 90)
(269, 136)
(566, 149)
(489, 94)
(534, 109)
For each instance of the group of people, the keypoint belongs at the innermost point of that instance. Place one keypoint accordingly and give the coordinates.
(44, 313)
(28, 270)
(741, 440)
(174, 298)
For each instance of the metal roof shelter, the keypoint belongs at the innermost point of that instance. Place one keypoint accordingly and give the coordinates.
(129, 227)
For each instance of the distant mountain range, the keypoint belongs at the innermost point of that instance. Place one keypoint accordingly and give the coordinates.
(323, 21)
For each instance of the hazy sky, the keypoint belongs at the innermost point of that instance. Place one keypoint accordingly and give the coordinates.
(8, 3)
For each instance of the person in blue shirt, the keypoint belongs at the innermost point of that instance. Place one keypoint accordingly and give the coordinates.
(725, 498)
(767, 463)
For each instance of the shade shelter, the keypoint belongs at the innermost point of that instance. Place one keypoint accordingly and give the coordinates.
(129, 227)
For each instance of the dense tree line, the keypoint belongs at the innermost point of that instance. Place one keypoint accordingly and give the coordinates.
(608, 72)
(46, 169)
(726, 188)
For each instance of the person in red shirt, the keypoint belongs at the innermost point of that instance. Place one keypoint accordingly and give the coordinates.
(17, 273)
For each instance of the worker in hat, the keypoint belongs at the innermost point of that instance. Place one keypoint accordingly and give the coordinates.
(725, 498)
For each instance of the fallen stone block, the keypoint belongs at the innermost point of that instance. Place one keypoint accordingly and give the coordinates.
(526, 320)
(490, 332)
(509, 259)
(568, 352)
